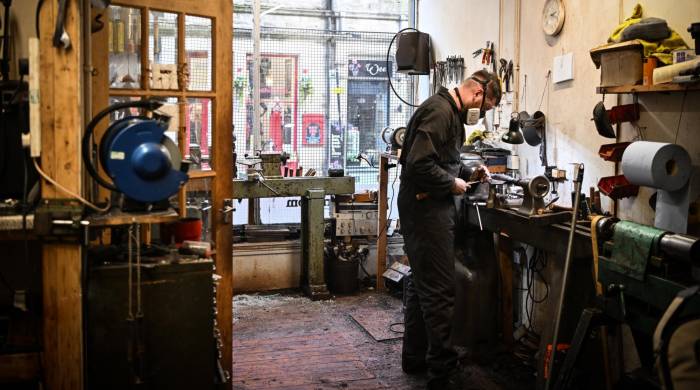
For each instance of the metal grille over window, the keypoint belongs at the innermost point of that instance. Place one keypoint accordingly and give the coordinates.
(199, 55)
(162, 50)
(324, 98)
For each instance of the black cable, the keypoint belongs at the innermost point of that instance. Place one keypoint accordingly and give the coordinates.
(150, 105)
(391, 201)
(37, 16)
(534, 267)
(388, 52)
(680, 116)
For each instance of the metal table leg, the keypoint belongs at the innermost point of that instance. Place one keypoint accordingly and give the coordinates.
(312, 226)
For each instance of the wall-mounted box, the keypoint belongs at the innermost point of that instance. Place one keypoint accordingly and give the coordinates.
(619, 63)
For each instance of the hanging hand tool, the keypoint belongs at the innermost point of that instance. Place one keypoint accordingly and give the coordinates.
(486, 54)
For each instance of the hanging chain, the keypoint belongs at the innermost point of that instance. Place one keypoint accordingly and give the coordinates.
(130, 314)
(139, 312)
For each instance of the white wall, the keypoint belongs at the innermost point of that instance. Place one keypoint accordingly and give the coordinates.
(568, 105)
(462, 26)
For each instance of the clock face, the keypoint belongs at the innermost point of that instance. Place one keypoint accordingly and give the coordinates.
(552, 17)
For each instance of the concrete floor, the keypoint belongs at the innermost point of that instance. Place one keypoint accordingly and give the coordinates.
(285, 341)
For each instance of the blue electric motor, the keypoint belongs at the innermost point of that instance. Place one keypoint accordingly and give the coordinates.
(143, 163)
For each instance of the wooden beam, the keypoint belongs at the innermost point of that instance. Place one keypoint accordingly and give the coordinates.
(192, 7)
(61, 125)
(222, 183)
(100, 90)
(381, 220)
(223, 165)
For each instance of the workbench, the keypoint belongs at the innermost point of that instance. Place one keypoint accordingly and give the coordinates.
(510, 227)
(313, 191)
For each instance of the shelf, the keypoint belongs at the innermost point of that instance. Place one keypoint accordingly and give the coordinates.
(161, 93)
(14, 222)
(118, 217)
(669, 87)
(199, 174)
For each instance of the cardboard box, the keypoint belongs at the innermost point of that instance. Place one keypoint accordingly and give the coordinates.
(619, 63)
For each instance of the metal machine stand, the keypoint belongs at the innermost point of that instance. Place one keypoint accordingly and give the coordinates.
(313, 191)
(313, 281)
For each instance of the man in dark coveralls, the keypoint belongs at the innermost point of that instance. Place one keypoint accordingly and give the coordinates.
(430, 184)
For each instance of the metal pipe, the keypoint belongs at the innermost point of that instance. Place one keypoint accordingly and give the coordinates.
(681, 247)
(578, 180)
(254, 204)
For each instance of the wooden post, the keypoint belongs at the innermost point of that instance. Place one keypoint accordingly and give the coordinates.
(381, 220)
(505, 267)
(222, 184)
(61, 126)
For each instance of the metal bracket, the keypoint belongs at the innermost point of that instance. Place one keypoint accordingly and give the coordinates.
(61, 219)
(227, 211)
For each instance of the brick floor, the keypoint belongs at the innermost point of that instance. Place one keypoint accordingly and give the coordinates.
(290, 342)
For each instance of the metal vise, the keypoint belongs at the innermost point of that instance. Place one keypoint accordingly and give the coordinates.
(535, 190)
(271, 163)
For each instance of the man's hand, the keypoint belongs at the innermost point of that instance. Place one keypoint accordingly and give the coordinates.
(482, 173)
(460, 186)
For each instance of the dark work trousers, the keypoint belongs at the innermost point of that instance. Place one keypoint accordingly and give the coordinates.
(428, 227)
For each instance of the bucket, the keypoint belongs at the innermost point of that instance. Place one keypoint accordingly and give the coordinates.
(342, 275)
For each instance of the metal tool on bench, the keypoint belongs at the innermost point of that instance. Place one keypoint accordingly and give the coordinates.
(535, 191)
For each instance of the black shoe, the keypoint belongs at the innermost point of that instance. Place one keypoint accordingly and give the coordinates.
(458, 379)
(413, 367)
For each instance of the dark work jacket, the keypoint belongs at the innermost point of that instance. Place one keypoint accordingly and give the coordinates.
(430, 154)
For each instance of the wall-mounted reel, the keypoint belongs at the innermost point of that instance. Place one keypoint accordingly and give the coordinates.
(143, 163)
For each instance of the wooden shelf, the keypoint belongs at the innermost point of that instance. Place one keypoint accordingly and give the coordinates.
(118, 217)
(20, 367)
(199, 174)
(669, 87)
(161, 93)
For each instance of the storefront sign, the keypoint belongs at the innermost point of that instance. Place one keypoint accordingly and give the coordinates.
(369, 68)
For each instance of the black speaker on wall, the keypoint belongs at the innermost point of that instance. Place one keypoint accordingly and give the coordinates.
(413, 53)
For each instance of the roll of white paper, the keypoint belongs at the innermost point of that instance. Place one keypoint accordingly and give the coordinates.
(656, 164)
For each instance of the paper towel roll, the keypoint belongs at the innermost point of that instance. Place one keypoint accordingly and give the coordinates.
(656, 164)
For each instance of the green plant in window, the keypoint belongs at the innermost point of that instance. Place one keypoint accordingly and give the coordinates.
(240, 84)
(305, 85)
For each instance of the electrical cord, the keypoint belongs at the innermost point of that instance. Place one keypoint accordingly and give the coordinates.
(69, 192)
(534, 267)
(37, 16)
(391, 201)
(680, 116)
(388, 52)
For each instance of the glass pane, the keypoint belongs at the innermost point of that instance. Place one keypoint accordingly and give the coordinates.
(162, 49)
(198, 133)
(198, 49)
(121, 114)
(124, 47)
(199, 204)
